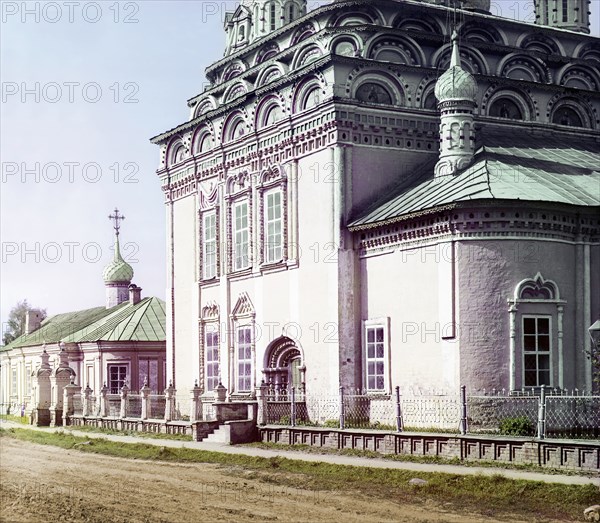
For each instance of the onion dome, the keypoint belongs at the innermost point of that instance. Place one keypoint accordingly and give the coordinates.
(456, 83)
(118, 270)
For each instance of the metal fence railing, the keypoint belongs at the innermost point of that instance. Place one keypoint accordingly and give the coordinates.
(542, 413)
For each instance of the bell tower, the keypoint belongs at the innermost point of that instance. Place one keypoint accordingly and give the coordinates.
(573, 15)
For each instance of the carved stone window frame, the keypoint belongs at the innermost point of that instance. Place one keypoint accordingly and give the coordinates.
(270, 179)
(242, 315)
(209, 318)
(209, 204)
(238, 189)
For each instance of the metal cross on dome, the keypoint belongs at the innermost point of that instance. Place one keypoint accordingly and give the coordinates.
(116, 218)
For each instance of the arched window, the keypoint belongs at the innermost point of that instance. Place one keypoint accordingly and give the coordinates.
(567, 116)
(178, 154)
(237, 130)
(204, 144)
(430, 102)
(536, 326)
(506, 108)
(373, 93)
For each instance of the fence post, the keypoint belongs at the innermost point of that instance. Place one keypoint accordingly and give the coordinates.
(541, 432)
(342, 409)
(463, 416)
(145, 394)
(104, 402)
(169, 402)
(195, 397)
(398, 411)
(261, 397)
(87, 400)
(293, 406)
(124, 391)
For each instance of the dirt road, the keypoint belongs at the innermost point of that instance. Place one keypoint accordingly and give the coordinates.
(49, 484)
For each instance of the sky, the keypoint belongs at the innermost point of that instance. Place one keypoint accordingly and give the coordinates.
(85, 85)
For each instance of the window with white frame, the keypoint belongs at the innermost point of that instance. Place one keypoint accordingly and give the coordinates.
(536, 332)
(209, 247)
(241, 236)
(117, 374)
(211, 345)
(244, 359)
(273, 226)
(376, 355)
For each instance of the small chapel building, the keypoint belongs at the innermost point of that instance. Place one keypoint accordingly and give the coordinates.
(119, 343)
(387, 193)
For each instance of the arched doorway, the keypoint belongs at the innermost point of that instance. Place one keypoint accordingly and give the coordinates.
(284, 366)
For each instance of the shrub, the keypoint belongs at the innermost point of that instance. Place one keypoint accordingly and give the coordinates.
(519, 426)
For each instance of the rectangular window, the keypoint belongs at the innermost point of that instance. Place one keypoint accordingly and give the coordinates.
(209, 250)
(241, 236)
(565, 10)
(211, 344)
(273, 22)
(375, 357)
(148, 369)
(536, 350)
(28, 380)
(273, 227)
(244, 359)
(13, 382)
(117, 374)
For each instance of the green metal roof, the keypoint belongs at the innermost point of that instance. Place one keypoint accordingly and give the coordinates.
(512, 166)
(144, 321)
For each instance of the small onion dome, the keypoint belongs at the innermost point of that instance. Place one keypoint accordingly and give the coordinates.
(118, 270)
(456, 83)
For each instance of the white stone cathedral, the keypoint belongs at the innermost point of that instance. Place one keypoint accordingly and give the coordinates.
(361, 198)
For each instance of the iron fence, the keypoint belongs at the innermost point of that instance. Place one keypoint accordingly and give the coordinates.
(157, 404)
(542, 413)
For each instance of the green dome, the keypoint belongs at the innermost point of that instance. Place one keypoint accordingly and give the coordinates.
(118, 270)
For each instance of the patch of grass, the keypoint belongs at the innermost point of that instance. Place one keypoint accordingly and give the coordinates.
(485, 495)
(152, 435)
(17, 419)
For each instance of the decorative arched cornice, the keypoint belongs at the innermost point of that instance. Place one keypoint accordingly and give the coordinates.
(306, 85)
(579, 77)
(266, 53)
(235, 91)
(233, 69)
(418, 23)
(577, 103)
(302, 33)
(588, 51)
(199, 135)
(270, 176)
(175, 144)
(424, 89)
(265, 105)
(393, 80)
(536, 288)
(471, 59)
(353, 39)
(270, 74)
(404, 46)
(520, 97)
(365, 15)
(479, 31)
(305, 55)
(519, 66)
(205, 105)
(208, 196)
(231, 121)
(541, 43)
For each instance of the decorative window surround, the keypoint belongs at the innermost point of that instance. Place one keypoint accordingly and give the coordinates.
(209, 322)
(239, 191)
(243, 315)
(271, 180)
(537, 291)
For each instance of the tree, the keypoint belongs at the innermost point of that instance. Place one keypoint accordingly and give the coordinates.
(16, 321)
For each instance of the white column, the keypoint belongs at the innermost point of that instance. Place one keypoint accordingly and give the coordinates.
(513, 344)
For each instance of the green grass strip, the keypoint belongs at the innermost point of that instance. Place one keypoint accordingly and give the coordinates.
(485, 495)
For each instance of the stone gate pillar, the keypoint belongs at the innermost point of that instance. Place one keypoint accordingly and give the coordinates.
(59, 379)
(43, 398)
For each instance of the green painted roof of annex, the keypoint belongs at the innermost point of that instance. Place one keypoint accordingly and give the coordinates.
(510, 166)
(144, 321)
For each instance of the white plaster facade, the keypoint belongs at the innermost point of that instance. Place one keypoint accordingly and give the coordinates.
(335, 110)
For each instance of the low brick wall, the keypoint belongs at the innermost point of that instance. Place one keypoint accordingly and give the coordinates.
(571, 455)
